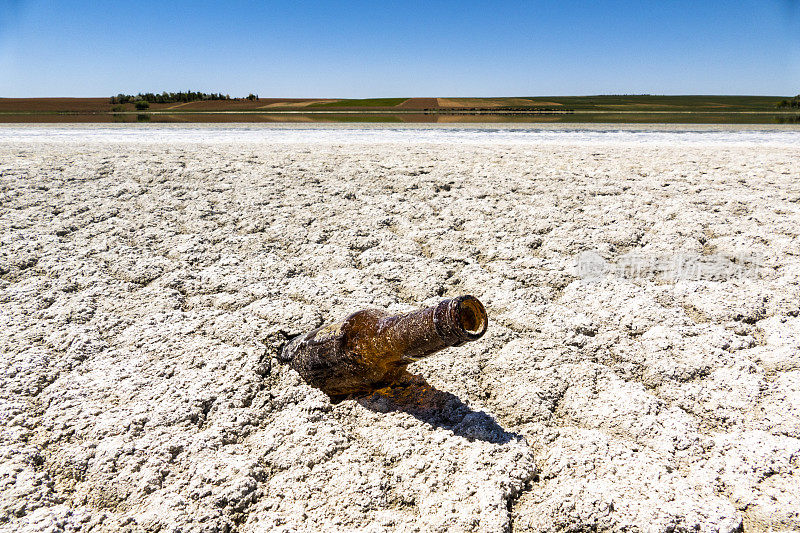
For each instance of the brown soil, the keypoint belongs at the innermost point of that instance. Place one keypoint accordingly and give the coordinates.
(489, 103)
(212, 105)
(295, 104)
(103, 105)
(420, 103)
(50, 105)
(59, 119)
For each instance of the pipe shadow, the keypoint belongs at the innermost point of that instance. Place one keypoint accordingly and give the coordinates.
(412, 394)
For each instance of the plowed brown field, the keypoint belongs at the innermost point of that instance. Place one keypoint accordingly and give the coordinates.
(295, 104)
(489, 103)
(420, 103)
(53, 105)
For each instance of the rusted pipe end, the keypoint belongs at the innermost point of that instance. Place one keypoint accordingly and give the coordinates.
(460, 320)
(472, 317)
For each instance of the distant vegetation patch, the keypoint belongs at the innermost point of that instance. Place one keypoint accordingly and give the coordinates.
(363, 102)
(172, 98)
(791, 103)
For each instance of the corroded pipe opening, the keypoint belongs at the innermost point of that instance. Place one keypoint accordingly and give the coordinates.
(472, 317)
(460, 320)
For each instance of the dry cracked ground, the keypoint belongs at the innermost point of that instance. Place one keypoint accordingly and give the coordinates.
(641, 371)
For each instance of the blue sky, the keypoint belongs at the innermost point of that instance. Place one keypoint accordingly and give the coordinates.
(375, 48)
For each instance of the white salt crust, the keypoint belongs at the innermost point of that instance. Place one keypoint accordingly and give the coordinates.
(641, 370)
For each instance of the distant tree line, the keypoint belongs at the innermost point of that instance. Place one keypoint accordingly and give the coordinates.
(791, 103)
(171, 98)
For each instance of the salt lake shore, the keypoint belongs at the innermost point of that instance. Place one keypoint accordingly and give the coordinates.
(641, 371)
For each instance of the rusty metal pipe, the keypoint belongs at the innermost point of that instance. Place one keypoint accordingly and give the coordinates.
(370, 349)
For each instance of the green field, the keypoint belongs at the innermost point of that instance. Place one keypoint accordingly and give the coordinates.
(361, 102)
(666, 103)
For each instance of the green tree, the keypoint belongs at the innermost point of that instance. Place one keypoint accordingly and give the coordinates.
(792, 103)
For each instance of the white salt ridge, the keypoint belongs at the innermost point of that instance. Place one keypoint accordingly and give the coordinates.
(490, 134)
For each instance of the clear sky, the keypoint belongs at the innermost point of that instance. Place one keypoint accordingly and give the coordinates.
(380, 48)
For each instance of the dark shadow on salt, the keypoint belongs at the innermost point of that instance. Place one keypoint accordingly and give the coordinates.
(415, 396)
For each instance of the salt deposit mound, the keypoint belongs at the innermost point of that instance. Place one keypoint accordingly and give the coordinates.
(641, 370)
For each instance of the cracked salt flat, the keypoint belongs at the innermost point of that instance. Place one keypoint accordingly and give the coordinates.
(149, 275)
